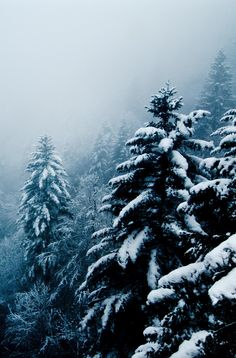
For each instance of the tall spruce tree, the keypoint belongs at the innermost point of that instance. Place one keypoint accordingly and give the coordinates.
(142, 244)
(44, 212)
(216, 96)
(193, 307)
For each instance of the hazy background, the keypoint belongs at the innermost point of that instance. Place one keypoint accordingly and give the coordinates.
(68, 65)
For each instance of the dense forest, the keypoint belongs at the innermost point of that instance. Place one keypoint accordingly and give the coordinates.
(129, 250)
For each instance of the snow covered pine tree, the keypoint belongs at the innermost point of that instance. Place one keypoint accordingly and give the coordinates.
(120, 152)
(44, 212)
(101, 157)
(142, 244)
(216, 96)
(194, 305)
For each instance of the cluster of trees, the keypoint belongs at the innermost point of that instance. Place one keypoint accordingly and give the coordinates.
(144, 267)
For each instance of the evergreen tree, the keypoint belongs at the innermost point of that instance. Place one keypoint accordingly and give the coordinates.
(216, 96)
(44, 213)
(86, 219)
(11, 265)
(120, 152)
(193, 307)
(101, 157)
(37, 319)
(7, 215)
(142, 244)
(37, 328)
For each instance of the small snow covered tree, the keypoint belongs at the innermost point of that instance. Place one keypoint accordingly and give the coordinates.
(86, 219)
(120, 152)
(11, 265)
(193, 307)
(101, 157)
(143, 242)
(36, 328)
(44, 213)
(216, 96)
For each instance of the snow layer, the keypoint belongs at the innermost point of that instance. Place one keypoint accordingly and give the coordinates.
(165, 145)
(154, 272)
(160, 294)
(150, 131)
(189, 272)
(225, 288)
(192, 348)
(220, 256)
(99, 264)
(141, 199)
(179, 160)
(131, 247)
(220, 186)
(108, 310)
(145, 350)
(192, 224)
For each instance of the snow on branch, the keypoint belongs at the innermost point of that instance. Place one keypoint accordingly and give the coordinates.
(199, 144)
(100, 265)
(223, 255)
(136, 204)
(131, 247)
(219, 186)
(194, 347)
(225, 288)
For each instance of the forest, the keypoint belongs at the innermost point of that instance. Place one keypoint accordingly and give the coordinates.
(131, 251)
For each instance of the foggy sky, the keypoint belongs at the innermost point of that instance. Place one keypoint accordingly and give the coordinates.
(68, 65)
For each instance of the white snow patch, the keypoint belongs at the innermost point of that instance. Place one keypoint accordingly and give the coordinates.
(220, 186)
(192, 348)
(179, 160)
(132, 205)
(150, 131)
(165, 145)
(227, 140)
(43, 177)
(54, 198)
(46, 213)
(145, 350)
(122, 301)
(109, 306)
(131, 247)
(124, 178)
(189, 272)
(159, 295)
(192, 223)
(220, 256)
(225, 288)
(36, 226)
(154, 272)
(103, 261)
(151, 331)
(96, 248)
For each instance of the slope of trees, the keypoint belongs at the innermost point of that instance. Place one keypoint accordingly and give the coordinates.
(141, 267)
